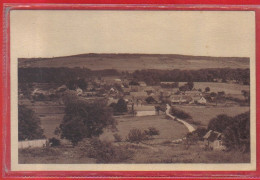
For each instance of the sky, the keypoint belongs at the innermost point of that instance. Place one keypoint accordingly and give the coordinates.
(52, 33)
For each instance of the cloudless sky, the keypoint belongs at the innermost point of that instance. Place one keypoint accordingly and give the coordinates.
(36, 33)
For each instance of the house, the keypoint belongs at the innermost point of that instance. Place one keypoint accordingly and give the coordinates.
(111, 100)
(193, 93)
(199, 100)
(138, 95)
(144, 110)
(79, 91)
(135, 88)
(61, 88)
(126, 91)
(213, 140)
(180, 99)
(142, 83)
(149, 89)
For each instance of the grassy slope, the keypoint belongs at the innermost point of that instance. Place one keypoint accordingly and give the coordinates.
(133, 62)
(205, 113)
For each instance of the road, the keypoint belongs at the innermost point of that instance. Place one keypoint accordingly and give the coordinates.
(190, 127)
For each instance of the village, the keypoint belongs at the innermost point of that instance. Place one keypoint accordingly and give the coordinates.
(141, 100)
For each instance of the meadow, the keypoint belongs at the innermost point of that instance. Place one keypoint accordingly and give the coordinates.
(204, 114)
(228, 88)
(168, 128)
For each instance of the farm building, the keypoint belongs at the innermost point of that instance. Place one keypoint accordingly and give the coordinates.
(213, 140)
(79, 91)
(144, 110)
(180, 99)
(199, 100)
(193, 93)
(138, 95)
(142, 83)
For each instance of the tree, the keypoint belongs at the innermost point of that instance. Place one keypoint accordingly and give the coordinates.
(82, 84)
(237, 134)
(29, 125)
(85, 120)
(207, 89)
(190, 85)
(220, 123)
(121, 106)
(246, 94)
(150, 100)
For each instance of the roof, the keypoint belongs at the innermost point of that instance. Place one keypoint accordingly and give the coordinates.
(212, 135)
(138, 94)
(144, 108)
(148, 88)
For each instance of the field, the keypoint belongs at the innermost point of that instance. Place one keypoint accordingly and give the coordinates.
(205, 113)
(132, 62)
(140, 153)
(169, 129)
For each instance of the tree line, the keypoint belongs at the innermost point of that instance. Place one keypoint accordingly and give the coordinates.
(150, 76)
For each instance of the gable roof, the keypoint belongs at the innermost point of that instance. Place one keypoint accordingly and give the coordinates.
(212, 135)
(138, 94)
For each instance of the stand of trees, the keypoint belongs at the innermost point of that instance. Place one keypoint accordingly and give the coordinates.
(151, 76)
(236, 130)
(29, 125)
(85, 120)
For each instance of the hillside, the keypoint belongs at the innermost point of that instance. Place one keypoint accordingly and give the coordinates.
(133, 62)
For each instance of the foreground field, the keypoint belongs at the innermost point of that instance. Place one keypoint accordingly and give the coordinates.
(130, 153)
(169, 129)
(204, 114)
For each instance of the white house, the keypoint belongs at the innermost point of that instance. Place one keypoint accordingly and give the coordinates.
(79, 91)
(213, 140)
(144, 110)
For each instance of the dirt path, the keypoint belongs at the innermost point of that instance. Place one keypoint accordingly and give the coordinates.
(190, 127)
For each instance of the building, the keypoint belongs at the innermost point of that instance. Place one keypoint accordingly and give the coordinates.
(179, 99)
(144, 110)
(138, 95)
(199, 100)
(213, 140)
(79, 91)
(142, 83)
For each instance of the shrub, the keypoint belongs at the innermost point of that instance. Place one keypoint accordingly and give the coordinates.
(152, 131)
(106, 152)
(118, 138)
(136, 136)
(54, 142)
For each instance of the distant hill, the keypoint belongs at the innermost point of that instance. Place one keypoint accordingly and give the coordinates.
(132, 62)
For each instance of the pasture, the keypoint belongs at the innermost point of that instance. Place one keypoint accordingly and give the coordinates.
(168, 128)
(205, 113)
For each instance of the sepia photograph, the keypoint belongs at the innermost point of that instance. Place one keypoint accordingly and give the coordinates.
(160, 88)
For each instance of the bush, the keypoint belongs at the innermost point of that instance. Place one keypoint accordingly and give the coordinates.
(106, 152)
(54, 142)
(136, 136)
(118, 138)
(180, 114)
(152, 131)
